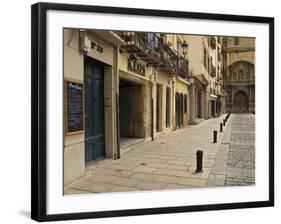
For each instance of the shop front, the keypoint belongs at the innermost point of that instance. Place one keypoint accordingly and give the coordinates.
(134, 89)
(198, 99)
(163, 103)
(90, 73)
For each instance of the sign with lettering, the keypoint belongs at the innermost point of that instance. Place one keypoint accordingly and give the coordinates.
(74, 104)
(136, 67)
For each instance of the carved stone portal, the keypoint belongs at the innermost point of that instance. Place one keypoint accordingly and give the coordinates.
(240, 86)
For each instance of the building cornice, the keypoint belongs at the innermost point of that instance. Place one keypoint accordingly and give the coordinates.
(239, 49)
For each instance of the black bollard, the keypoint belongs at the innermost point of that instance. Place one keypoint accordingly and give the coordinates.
(221, 127)
(223, 122)
(215, 136)
(199, 164)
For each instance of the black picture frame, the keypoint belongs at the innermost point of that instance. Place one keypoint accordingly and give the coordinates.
(38, 108)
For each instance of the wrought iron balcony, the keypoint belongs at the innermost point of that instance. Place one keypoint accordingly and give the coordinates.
(144, 45)
(153, 49)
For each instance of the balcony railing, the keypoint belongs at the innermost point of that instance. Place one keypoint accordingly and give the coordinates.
(153, 49)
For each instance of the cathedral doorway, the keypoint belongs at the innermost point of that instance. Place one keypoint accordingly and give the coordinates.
(240, 103)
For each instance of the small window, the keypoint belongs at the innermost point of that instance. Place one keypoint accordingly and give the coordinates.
(205, 58)
(236, 41)
(208, 65)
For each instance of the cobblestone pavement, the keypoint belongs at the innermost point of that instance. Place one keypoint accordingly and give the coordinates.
(235, 161)
(169, 162)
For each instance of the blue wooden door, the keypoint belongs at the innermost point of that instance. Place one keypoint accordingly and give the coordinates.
(94, 109)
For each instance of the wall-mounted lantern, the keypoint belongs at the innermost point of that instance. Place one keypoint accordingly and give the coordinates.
(184, 47)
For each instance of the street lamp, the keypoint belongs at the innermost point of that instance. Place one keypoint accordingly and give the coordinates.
(184, 47)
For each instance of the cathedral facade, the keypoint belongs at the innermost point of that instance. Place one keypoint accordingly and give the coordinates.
(240, 75)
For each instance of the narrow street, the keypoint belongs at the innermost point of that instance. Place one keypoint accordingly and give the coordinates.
(169, 162)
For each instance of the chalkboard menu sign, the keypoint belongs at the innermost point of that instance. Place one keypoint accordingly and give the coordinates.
(74, 107)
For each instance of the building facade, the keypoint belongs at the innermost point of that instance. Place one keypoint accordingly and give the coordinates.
(240, 78)
(126, 88)
(207, 96)
(165, 71)
(133, 88)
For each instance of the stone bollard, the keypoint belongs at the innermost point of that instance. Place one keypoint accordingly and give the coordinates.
(199, 161)
(221, 130)
(215, 136)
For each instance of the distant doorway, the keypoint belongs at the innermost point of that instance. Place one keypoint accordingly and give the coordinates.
(179, 110)
(241, 103)
(213, 108)
(199, 103)
(159, 90)
(168, 106)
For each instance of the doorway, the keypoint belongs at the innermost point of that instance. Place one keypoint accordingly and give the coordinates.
(179, 110)
(94, 111)
(159, 126)
(130, 114)
(199, 103)
(126, 113)
(241, 103)
(168, 106)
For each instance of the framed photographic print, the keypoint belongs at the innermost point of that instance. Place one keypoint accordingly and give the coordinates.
(140, 111)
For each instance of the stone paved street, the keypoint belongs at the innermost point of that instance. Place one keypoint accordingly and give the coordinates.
(235, 161)
(169, 162)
